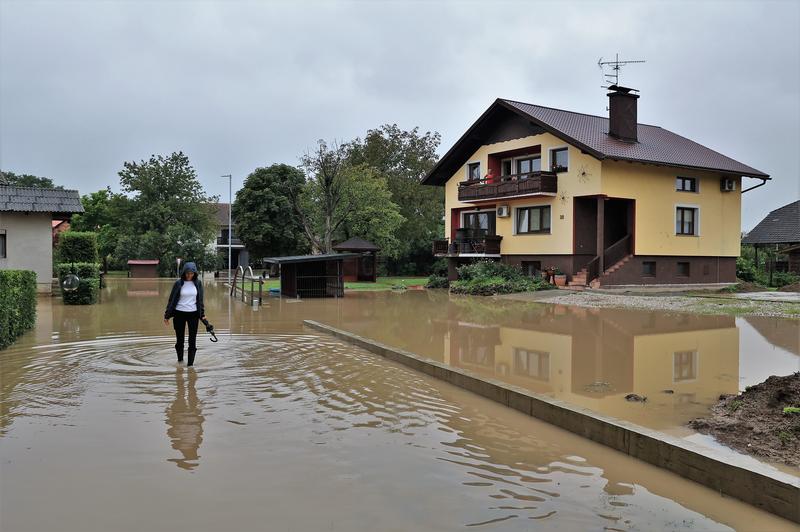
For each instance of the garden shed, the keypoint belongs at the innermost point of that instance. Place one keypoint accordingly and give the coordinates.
(143, 268)
(364, 266)
(312, 275)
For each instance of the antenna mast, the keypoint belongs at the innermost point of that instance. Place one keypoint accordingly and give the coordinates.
(616, 66)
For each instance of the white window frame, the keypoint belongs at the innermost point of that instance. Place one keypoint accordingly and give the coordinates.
(470, 211)
(521, 157)
(550, 156)
(501, 165)
(466, 169)
(696, 357)
(696, 218)
(528, 206)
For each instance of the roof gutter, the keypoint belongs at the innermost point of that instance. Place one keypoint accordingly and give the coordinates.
(763, 182)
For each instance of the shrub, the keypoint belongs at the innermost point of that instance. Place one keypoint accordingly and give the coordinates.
(488, 278)
(75, 246)
(437, 281)
(745, 269)
(17, 304)
(89, 286)
(780, 279)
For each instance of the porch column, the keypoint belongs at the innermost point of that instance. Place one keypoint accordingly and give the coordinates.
(601, 216)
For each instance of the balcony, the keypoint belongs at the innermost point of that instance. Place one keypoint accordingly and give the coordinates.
(223, 241)
(509, 186)
(468, 245)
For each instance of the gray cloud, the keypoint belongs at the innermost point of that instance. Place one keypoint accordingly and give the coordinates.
(85, 86)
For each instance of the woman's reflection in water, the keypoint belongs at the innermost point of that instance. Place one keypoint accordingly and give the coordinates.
(185, 420)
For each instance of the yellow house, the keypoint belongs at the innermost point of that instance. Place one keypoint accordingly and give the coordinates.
(608, 201)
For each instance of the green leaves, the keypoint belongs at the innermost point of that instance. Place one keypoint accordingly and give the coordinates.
(17, 304)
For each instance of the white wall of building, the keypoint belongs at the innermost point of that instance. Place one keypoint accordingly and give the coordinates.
(29, 245)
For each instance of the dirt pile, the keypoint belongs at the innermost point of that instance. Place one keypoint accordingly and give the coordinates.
(754, 421)
(746, 287)
(794, 287)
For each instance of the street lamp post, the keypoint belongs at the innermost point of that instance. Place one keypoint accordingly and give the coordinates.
(230, 207)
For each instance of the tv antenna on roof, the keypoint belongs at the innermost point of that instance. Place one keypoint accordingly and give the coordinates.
(616, 65)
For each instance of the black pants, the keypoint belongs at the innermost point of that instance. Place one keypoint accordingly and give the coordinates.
(179, 321)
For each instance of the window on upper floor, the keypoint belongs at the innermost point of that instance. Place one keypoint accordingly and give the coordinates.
(559, 160)
(507, 167)
(529, 164)
(533, 220)
(2, 243)
(686, 221)
(473, 171)
(686, 184)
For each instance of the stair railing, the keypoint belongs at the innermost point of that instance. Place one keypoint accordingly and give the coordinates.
(616, 251)
(593, 270)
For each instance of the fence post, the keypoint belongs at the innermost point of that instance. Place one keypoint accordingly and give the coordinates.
(260, 292)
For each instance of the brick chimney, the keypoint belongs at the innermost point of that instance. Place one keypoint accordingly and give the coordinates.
(622, 113)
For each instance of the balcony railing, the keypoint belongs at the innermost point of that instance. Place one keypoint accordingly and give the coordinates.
(223, 241)
(508, 186)
(481, 245)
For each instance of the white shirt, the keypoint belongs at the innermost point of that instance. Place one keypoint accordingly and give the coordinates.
(188, 300)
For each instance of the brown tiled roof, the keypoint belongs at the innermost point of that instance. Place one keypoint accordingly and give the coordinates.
(590, 133)
(145, 262)
(221, 212)
(655, 144)
(356, 244)
(37, 199)
(781, 226)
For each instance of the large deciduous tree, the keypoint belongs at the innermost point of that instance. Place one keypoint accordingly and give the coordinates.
(404, 158)
(265, 220)
(26, 180)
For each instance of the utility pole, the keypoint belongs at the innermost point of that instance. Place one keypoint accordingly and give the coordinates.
(230, 219)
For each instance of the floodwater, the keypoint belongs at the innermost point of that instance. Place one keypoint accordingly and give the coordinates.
(279, 428)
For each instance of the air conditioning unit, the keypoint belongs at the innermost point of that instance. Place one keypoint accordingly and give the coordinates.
(503, 211)
(727, 184)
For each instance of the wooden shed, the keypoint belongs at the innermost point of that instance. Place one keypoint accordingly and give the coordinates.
(143, 268)
(312, 275)
(364, 266)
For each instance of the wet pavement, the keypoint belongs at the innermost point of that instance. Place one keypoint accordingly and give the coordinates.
(278, 428)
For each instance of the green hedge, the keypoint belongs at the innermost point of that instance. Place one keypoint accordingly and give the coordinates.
(75, 246)
(17, 304)
(486, 278)
(89, 286)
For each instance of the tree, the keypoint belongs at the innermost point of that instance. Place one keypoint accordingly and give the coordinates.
(265, 220)
(26, 180)
(105, 213)
(404, 158)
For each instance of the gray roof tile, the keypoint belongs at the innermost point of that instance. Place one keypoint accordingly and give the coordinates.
(35, 199)
(781, 226)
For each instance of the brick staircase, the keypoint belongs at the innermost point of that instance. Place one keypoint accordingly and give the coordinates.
(578, 281)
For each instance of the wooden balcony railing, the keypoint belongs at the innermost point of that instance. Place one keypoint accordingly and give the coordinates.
(508, 186)
(485, 245)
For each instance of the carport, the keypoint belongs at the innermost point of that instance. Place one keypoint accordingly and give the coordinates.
(305, 276)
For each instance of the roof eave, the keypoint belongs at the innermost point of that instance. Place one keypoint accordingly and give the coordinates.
(756, 174)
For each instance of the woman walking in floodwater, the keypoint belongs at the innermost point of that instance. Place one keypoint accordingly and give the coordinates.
(185, 305)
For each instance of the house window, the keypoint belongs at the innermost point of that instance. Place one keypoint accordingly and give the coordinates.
(534, 364)
(507, 167)
(531, 268)
(686, 184)
(484, 221)
(2, 243)
(684, 366)
(533, 220)
(559, 160)
(683, 269)
(649, 268)
(529, 164)
(685, 221)
(473, 171)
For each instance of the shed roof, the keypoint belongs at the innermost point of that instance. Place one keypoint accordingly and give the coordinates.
(311, 258)
(356, 244)
(37, 199)
(139, 262)
(781, 226)
(655, 145)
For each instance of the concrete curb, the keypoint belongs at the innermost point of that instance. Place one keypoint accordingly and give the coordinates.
(773, 491)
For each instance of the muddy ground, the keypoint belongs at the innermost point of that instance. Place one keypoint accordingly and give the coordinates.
(754, 422)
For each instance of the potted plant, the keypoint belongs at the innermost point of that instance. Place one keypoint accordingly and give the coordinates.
(560, 278)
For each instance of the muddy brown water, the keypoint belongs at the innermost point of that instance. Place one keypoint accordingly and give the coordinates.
(279, 428)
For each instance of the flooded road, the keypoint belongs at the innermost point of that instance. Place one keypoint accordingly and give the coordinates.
(278, 428)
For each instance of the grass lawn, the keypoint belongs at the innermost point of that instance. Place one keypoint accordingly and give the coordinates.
(383, 283)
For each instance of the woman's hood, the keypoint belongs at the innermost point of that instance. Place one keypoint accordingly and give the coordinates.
(189, 267)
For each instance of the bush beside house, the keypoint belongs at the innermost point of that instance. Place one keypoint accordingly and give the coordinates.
(486, 278)
(17, 304)
(77, 253)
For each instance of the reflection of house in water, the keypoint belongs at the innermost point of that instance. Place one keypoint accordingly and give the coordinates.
(595, 357)
(783, 333)
(143, 287)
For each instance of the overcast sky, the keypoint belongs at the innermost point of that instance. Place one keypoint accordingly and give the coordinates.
(85, 86)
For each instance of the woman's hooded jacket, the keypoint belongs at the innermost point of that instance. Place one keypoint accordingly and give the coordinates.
(175, 295)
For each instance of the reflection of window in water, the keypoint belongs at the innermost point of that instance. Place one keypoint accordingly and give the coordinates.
(534, 364)
(684, 366)
(480, 355)
(185, 420)
(685, 398)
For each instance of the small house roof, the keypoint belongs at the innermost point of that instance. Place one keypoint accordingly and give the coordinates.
(311, 258)
(38, 199)
(655, 145)
(356, 244)
(138, 262)
(781, 226)
(221, 212)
